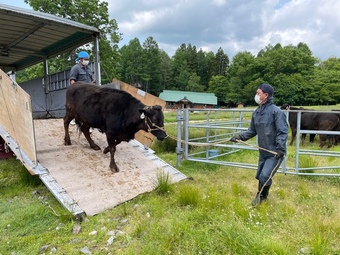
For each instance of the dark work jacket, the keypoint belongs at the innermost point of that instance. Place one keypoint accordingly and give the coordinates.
(269, 123)
(81, 73)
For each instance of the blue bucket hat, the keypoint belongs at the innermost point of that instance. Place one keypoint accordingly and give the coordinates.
(82, 54)
(266, 88)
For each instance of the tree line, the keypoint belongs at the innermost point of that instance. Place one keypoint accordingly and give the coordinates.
(299, 78)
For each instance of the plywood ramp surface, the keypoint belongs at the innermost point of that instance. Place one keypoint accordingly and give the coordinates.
(16, 115)
(85, 173)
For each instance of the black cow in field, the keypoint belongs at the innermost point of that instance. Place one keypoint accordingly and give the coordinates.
(292, 119)
(325, 121)
(114, 112)
(312, 121)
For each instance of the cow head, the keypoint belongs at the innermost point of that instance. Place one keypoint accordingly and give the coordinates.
(154, 120)
(285, 107)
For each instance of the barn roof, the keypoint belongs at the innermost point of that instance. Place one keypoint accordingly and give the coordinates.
(28, 37)
(193, 97)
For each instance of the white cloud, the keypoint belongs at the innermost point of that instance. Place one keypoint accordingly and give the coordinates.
(219, 2)
(234, 25)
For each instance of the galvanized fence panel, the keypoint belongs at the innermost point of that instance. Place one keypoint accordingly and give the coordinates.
(207, 141)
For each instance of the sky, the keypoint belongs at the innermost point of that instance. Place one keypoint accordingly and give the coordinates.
(233, 25)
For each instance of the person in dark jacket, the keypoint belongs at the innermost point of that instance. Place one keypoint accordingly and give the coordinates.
(81, 72)
(269, 123)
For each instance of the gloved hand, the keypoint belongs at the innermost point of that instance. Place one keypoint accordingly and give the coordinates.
(235, 138)
(280, 154)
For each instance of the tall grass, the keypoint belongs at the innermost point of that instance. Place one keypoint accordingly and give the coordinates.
(163, 183)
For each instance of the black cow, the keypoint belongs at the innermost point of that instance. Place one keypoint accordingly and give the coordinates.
(114, 112)
(292, 119)
(326, 121)
(312, 121)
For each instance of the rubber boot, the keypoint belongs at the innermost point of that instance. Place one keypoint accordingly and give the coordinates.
(261, 197)
(264, 193)
(257, 200)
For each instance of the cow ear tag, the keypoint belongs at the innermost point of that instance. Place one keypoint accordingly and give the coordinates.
(142, 116)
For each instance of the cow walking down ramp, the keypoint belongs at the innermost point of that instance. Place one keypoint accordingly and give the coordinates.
(114, 112)
(77, 176)
(84, 173)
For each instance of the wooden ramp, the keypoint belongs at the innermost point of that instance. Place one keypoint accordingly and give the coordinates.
(85, 174)
(79, 177)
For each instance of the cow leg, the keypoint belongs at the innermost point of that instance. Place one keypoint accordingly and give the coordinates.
(86, 131)
(311, 138)
(112, 150)
(112, 143)
(293, 137)
(323, 140)
(67, 120)
(331, 141)
(303, 138)
(106, 150)
(113, 166)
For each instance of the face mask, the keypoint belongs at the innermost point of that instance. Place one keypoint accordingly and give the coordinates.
(85, 62)
(257, 99)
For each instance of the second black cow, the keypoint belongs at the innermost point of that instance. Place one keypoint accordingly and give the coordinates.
(114, 112)
(312, 121)
(292, 119)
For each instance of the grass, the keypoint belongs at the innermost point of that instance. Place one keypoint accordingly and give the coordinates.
(163, 184)
(209, 213)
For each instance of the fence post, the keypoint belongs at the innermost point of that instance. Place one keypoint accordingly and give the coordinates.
(186, 132)
(297, 139)
(179, 149)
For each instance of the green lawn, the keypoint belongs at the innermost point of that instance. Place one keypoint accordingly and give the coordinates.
(209, 213)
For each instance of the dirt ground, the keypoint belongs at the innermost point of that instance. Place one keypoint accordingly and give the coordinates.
(85, 173)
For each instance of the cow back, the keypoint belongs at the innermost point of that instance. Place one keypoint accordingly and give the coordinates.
(98, 106)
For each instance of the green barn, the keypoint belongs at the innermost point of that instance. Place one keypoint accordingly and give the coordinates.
(187, 99)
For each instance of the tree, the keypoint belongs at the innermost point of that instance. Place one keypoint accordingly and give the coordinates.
(89, 12)
(286, 60)
(204, 68)
(191, 58)
(219, 86)
(151, 63)
(165, 69)
(288, 69)
(330, 64)
(132, 63)
(289, 89)
(221, 63)
(327, 85)
(179, 64)
(194, 83)
(183, 78)
(240, 74)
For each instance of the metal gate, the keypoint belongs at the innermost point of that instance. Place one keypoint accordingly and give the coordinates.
(207, 141)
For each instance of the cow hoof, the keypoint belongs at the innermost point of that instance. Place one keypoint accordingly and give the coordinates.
(95, 147)
(106, 150)
(67, 143)
(114, 170)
